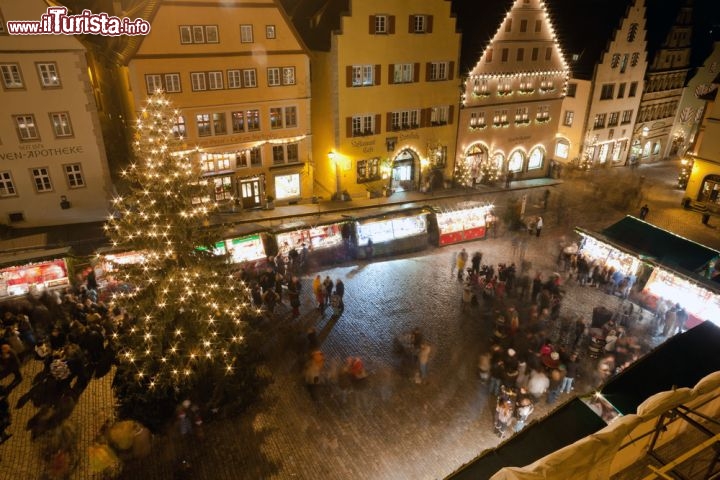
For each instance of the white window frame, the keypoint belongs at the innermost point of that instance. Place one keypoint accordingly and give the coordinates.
(12, 76)
(543, 112)
(198, 81)
(61, 125)
(288, 75)
(153, 83)
(381, 24)
(420, 23)
(249, 78)
(277, 114)
(522, 115)
(440, 115)
(203, 123)
(211, 34)
(270, 32)
(234, 79)
(198, 34)
(403, 73)
(439, 70)
(179, 127)
(172, 83)
(48, 74)
(290, 117)
(250, 123)
(74, 175)
(186, 37)
(219, 119)
(215, 80)
(568, 118)
(41, 179)
(7, 186)
(273, 77)
(26, 127)
(246, 34)
(363, 125)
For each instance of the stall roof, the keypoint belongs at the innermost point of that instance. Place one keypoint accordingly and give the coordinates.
(23, 257)
(666, 248)
(681, 361)
(566, 425)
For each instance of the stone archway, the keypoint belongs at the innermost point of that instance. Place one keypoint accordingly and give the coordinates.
(404, 171)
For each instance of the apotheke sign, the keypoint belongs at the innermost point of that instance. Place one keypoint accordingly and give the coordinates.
(38, 150)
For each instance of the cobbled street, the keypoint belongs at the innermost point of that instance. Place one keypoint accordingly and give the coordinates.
(388, 427)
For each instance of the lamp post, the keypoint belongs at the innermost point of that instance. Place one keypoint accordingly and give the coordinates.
(332, 156)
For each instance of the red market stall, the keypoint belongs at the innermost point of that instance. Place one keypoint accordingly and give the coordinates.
(464, 223)
(34, 271)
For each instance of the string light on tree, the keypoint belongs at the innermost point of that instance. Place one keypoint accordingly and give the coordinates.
(187, 312)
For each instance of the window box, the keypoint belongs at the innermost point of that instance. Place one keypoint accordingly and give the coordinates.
(547, 89)
(504, 93)
(527, 91)
(522, 122)
(478, 127)
(481, 94)
(542, 120)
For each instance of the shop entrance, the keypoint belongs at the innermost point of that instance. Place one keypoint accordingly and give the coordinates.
(250, 193)
(403, 173)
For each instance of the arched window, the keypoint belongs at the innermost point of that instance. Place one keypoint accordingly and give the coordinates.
(535, 160)
(516, 161)
(646, 149)
(562, 148)
(499, 160)
(474, 157)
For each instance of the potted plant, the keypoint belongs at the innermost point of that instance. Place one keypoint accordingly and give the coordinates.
(269, 199)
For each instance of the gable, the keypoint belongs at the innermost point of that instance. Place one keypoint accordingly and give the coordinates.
(524, 42)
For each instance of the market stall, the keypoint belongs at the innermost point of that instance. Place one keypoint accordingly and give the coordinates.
(676, 269)
(393, 233)
(107, 262)
(325, 243)
(467, 222)
(247, 248)
(34, 271)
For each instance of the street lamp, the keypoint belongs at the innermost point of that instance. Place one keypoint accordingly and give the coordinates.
(332, 156)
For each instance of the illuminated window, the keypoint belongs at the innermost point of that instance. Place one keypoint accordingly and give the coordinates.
(49, 77)
(535, 160)
(246, 34)
(61, 124)
(515, 161)
(26, 127)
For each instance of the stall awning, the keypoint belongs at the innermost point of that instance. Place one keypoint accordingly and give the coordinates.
(681, 361)
(568, 424)
(26, 256)
(662, 246)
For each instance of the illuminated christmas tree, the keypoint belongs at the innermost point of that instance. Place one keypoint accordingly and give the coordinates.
(488, 172)
(463, 176)
(187, 313)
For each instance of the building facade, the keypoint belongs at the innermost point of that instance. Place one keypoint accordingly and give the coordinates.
(53, 167)
(512, 100)
(703, 186)
(239, 76)
(384, 114)
(617, 89)
(664, 82)
(692, 103)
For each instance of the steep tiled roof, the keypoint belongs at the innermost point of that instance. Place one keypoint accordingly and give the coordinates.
(585, 29)
(315, 20)
(478, 22)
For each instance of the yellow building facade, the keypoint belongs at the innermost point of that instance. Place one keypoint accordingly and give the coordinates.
(53, 168)
(512, 100)
(703, 184)
(239, 76)
(384, 95)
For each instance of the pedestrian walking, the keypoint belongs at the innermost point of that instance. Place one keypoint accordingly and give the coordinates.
(453, 263)
(462, 259)
(538, 226)
(328, 286)
(546, 198)
(10, 365)
(319, 292)
(294, 295)
(644, 211)
(340, 294)
(423, 359)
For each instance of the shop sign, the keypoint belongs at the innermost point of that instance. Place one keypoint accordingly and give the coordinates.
(38, 150)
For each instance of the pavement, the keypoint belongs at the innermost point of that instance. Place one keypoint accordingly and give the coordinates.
(389, 427)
